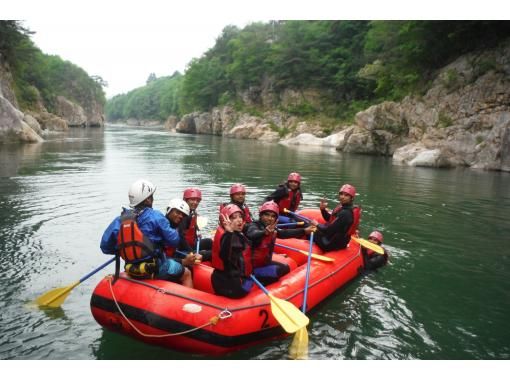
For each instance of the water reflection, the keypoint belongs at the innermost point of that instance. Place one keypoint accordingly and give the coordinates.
(443, 296)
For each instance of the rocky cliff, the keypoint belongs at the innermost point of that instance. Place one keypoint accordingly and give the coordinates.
(32, 125)
(462, 120)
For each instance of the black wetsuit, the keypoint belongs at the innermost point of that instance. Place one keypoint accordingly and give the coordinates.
(330, 237)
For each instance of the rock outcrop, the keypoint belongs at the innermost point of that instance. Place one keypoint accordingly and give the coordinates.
(13, 127)
(463, 119)
(32, 125)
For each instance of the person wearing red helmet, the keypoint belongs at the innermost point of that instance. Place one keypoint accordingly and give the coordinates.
(287, 195)
(371, 259)
(189, 228)
(238, 198)
(262, 235)
(231, 255)
(340, 224)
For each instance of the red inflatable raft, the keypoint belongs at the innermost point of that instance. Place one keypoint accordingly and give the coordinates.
(196, 320)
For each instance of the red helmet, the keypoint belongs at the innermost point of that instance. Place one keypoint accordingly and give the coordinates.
(230, 209)
(294, 177)
(192, 192)
(237, 188)
(377, 236)
(349, 189)
(269, 206)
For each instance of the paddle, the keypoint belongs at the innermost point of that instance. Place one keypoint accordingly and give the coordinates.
(314, 255)
(56, 297)
(365, 243)
(288, 315)
(295, 224)
(201, 223)
(304, 218)
(299, 345)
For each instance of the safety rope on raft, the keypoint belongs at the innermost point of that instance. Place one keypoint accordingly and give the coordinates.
(212, 321)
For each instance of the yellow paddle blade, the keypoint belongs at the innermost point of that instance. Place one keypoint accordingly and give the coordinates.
(318, 257)
(365, 243)
(288, 315)
(202, 222)
(55, 297)
(299, 346)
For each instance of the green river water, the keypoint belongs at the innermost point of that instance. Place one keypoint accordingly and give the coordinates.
(444, 295)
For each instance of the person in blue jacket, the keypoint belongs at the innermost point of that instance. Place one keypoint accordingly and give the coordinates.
(140, 234)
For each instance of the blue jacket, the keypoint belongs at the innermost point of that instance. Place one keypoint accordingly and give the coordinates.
(154, 226)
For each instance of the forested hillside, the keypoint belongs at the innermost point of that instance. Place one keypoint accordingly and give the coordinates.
(349, 64)
(41, 77)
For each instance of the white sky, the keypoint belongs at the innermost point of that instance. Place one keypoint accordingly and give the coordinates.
(123, 41)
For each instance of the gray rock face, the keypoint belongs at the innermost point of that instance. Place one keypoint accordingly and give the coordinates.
(30, 126)
(72, 113)
(171, 123)
(12, 126)
(463, 120)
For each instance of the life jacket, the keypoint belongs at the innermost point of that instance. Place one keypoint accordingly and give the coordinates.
(169, 251)
(291, 201)
(191, 233)
(217, 262)
(133, 245)
(247, 214)
(356, 216)
(371, 253)
(261, 255)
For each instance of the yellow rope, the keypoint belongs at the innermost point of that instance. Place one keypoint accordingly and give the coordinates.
(212, 321)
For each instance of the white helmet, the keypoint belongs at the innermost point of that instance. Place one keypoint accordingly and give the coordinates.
(178, 204)
(140, 191)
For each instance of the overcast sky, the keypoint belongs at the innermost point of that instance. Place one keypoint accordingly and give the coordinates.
(125, 41)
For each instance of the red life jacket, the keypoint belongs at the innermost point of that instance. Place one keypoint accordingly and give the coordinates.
(356, 215)
(133, 245)
(191, 233)
(371, 253)
(291, 202)
(247, 214)
(215, 251)
(261, 255)
(169, 251)
(217, 261)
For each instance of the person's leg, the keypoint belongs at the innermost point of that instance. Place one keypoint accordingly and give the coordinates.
(284, 219)
(186, 278)
(269, 274)
(171, 270)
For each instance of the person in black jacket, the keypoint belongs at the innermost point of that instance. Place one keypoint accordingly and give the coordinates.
(262, 235)
(231, 255)
(335, 233)
(287, 195)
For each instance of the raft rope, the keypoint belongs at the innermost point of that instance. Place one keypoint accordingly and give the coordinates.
(224, 314)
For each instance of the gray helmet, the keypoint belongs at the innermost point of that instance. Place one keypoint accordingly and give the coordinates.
(140, 191)
(178, 204)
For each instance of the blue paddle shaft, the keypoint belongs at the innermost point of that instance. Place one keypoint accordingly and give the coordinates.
(96, 270)
(295, 224)
(259, 284)
(299, 216)
(307, 278)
